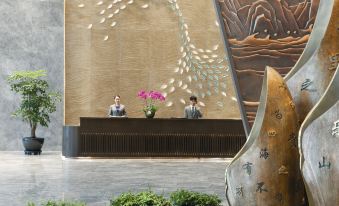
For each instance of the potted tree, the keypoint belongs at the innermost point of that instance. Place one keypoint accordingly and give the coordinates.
(35, 106)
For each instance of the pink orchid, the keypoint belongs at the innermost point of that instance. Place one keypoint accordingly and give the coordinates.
(149, 99)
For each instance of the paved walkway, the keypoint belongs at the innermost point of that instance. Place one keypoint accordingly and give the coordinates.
(95, 181)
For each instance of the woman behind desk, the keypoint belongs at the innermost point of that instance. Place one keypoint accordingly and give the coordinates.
(117, 109)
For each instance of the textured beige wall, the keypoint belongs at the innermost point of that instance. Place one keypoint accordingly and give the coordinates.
(154, 45)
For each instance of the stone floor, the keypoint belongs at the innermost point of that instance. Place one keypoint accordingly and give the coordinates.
(95, 181)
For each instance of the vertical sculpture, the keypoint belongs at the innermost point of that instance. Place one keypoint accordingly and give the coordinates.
(319, 146)
(266, 170)
(308, 82)
(318, 136)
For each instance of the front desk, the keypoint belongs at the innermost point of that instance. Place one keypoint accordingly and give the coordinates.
(134, 137)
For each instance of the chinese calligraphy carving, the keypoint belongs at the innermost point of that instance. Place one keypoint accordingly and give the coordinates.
(335, 129)
(264, 153)
(278, 114)
(248, 168)
(306, 84)
(323, 164)
(260, 187)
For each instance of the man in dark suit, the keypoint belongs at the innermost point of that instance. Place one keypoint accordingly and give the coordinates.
(193, 111)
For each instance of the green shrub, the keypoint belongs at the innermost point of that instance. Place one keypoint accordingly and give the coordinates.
(188, 198)
(147, 198)
(59, 203)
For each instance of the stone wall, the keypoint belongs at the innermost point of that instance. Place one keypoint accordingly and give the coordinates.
(31, 38)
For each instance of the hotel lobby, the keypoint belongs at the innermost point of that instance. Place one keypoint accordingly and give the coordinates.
(231, 102)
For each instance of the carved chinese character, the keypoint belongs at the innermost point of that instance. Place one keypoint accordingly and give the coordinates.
(283, 170)
(260, 187)
(335, 129)
(272, 133)
(248, 168)
(324, 165)
(306, 84)
(239, 191)
(278, 114)
(264, 153)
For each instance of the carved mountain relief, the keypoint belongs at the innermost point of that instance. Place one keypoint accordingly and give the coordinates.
(274, 19)
(264, 33)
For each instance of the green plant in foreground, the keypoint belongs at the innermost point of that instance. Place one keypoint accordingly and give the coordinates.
(59, 203)
(188, 198)
(36, 101)
(147, 198)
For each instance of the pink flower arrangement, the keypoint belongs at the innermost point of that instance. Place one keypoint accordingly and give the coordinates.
(150, 98)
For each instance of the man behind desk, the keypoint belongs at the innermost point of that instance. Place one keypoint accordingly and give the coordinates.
(192, 111)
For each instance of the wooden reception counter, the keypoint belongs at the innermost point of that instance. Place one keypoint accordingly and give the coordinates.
(132, 137)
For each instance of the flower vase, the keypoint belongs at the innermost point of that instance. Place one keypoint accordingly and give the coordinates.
(149, 114)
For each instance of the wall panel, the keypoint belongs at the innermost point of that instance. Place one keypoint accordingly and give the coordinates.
(31, 38)
(121, 47)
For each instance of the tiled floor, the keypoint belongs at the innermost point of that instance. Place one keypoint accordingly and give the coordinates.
(95, 181)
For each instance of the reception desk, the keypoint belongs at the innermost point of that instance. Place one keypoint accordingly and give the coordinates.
(134, 137)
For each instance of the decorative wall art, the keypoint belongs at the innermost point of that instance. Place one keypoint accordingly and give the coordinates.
(119, 46)
(263, 33)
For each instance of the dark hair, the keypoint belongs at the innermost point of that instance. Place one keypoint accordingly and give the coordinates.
(115, 96)
(193, 98)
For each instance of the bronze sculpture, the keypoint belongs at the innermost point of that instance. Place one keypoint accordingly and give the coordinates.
(308, 82)
(319, 141)
(266, 170)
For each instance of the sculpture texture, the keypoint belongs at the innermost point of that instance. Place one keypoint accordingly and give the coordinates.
(319, 141)
(266, 170)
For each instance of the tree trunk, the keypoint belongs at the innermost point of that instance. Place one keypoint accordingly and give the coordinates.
(33, 128)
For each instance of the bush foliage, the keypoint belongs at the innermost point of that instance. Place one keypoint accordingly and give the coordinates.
(189, 198)
(147, 198)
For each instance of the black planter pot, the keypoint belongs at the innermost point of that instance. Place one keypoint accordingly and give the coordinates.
(33, 145)
(149, 114)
